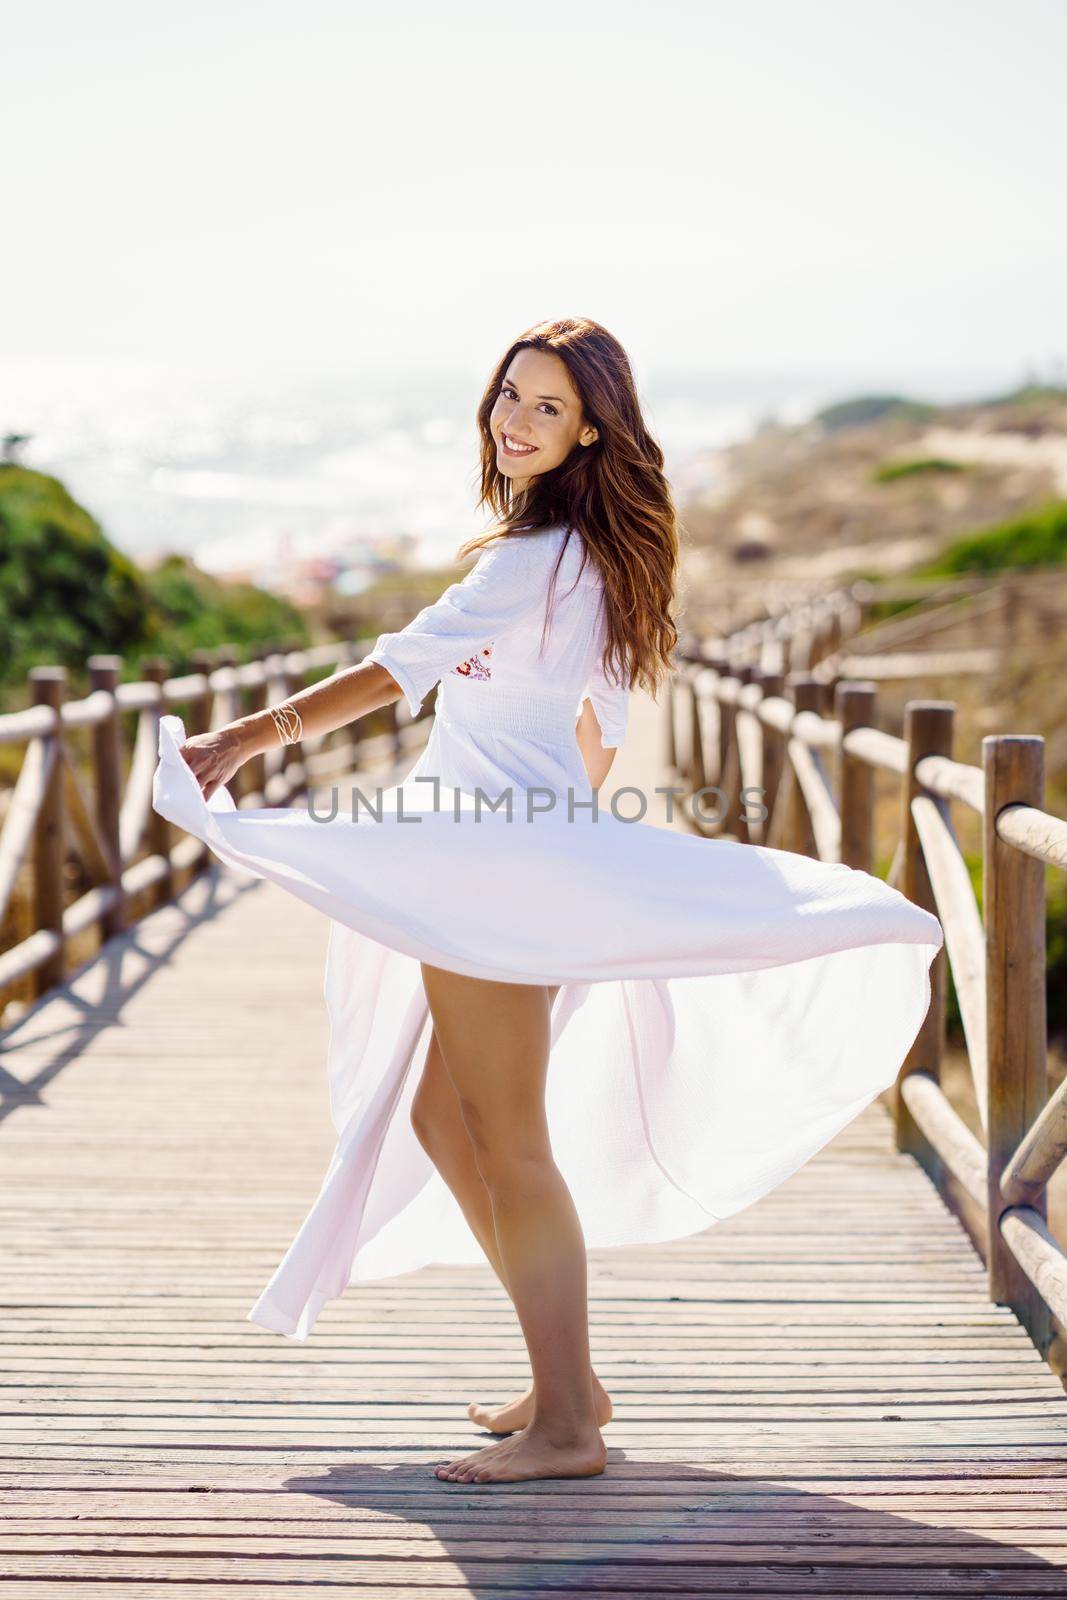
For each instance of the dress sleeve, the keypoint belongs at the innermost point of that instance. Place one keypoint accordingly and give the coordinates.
(611, 703)
(506, 583)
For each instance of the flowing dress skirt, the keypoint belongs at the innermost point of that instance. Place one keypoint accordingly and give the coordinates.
(725, 1009)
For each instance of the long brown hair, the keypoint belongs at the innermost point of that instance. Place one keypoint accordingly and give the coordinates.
(612, 492)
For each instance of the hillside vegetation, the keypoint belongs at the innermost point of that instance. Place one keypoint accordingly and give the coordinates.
(867, 485)
(66, 592)
(1036, 539)
(871, 490)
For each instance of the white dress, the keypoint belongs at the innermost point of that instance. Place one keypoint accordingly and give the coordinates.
(725, 1008)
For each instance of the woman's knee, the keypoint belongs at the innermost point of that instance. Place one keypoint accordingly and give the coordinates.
(435, 1113)
(424, 1124)
(514, 1170)
(428, 1104)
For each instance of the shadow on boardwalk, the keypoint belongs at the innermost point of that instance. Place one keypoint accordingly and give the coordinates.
(63, 1024)
(683, 1531)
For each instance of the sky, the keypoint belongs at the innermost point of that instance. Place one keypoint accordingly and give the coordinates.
(397, 189)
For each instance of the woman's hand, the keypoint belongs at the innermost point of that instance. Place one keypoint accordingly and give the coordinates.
(215, 757)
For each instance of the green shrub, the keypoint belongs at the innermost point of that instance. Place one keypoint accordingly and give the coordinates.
(1038, 538)
(1029, 394)
(873, 408)
(921, 466)
(193, 611)
(67, 593)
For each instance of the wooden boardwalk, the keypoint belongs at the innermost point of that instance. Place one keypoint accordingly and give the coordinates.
(808, 1400)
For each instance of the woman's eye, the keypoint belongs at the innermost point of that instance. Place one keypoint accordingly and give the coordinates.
(508, 393)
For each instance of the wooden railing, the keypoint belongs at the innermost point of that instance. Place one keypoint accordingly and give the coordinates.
(126, 849)
(810, 742)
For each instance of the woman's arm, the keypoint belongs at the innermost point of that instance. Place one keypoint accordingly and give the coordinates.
(354, 692)
(597, 758)
(506, 583)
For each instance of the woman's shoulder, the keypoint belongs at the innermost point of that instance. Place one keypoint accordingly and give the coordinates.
(565, 541)
(539, 551)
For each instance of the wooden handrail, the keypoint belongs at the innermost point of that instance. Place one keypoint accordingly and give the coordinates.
(1034, 832)
(996, 955)
(125, 848)
(918, 664)
(952, 780)
(17, 727)
(947, 1132)
(964, 936)
(813, 785)
(1040, 1151)
(878, 749)
(16, 839)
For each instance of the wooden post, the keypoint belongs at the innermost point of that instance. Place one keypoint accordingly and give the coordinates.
(772, 750)
(48, 688)
(785, 638)
(231, 708)
(695, 774)
(725, 720)
(200, 705)
(292, 754)
(1014, 909)
(394, 728)
(199, 721)
(352, 658)
(156, 669)
(806, 695)
(729, 778)
(927, 731)
(107, 781)
(226, 707)
(670, 748)
(256, 778)
(713, 762)
(854, 707)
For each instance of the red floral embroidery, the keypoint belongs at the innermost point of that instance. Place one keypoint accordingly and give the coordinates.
(476, 666)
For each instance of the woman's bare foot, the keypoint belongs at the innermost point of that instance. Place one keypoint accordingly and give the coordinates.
(530, 1453)
(518, 1413)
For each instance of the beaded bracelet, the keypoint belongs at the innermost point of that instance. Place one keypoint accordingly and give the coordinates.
(288, 723)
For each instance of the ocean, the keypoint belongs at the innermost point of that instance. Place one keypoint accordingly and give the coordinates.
(262, 474)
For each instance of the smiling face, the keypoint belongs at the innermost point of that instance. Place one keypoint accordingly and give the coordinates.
(536, 420)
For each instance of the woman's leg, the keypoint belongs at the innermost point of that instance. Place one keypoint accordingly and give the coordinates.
(494, 1045)
(440, 1129)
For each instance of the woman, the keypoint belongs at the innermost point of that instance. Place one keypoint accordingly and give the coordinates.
(704, 1039)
